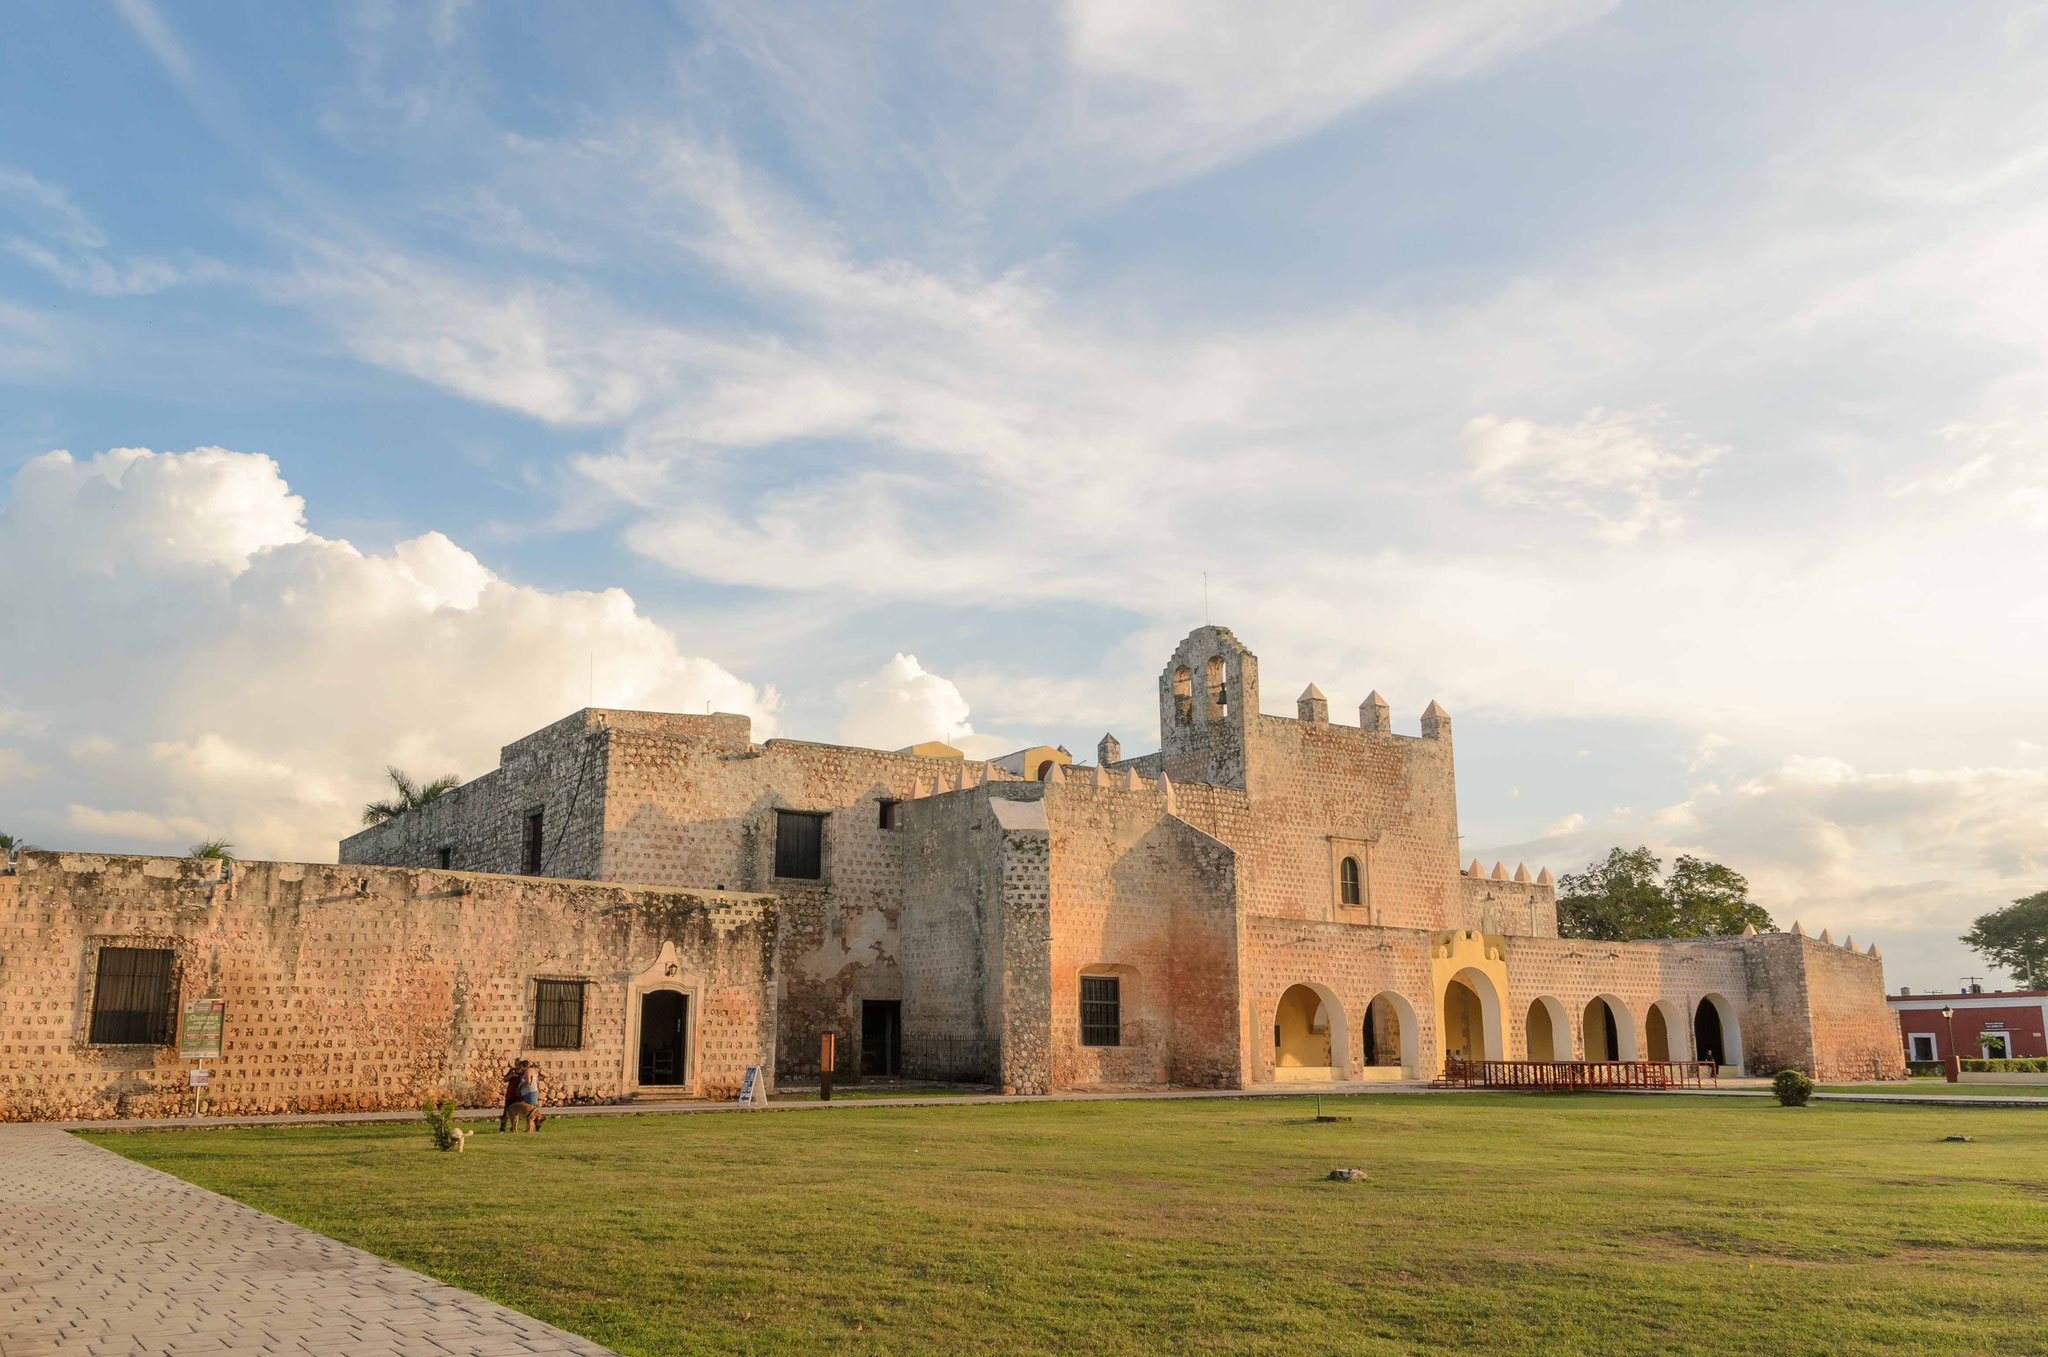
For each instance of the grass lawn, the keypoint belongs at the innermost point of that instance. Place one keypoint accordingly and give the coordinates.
(1940, 1088)
(1492, 1223)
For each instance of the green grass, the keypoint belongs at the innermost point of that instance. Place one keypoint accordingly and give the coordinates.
(1938, 1088)
(1492, 1224)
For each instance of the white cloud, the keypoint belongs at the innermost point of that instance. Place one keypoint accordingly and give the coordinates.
(69, 245)
(903, 704)
(1617, 468)
(177, 605)
(1570, 824)
(1181, 85)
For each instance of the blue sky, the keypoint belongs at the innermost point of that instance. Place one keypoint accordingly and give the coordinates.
(1664, 389)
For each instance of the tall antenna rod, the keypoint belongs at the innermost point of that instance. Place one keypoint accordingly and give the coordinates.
(593, 680)
(1205, 598)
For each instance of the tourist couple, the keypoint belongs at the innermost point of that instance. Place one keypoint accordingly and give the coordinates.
(522, 1097)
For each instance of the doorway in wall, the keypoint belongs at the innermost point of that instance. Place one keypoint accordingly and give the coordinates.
(881, 1036)
(664, 1037)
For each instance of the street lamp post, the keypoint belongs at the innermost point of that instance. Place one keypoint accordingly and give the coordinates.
(1951, 1067)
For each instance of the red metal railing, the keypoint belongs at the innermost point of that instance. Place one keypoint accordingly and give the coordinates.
(1569, 1076)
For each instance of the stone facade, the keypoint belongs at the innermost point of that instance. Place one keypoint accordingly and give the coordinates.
(1263, 899)
(1250, 855)
(363, 988)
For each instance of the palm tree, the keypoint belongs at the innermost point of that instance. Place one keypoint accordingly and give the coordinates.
(219, 849)
(10, 846)
(411, 795)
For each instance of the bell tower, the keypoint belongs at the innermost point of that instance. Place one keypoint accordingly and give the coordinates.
(1208, 699)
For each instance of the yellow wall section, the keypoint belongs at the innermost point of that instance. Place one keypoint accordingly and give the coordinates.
(1304, 1029)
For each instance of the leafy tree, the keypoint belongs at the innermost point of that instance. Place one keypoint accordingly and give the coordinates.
(1711, 901)
(411, 795)
(1616, 899)
(1622, 898)
(2015, 939)
(218, 849)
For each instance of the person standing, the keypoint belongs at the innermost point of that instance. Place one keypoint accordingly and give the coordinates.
(527, 1109)
(515, 1076)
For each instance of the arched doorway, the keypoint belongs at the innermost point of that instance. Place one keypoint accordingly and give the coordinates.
(1607, 1032)
(1548, 1030)
(1311, 1037)
(1464, 1021)
(1716, 1035)
(1391, 1038)
(1664, 1032)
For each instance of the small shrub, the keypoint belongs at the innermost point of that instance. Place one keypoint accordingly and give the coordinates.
(440, 1122)
(1792, 1088)
(2026, 1064)
(1925, 1069)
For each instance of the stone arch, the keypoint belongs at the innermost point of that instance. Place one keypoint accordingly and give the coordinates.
(1183, 697)
(1664, 1034)
(1044, 770)
(1309, 1026)
(1390, 1034)
(1217, 693)
(1715, 1018)
(1547, 1031)
(1471, 1017)
(1607, 1030)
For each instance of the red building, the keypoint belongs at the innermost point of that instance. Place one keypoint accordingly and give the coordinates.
(2015, 1019)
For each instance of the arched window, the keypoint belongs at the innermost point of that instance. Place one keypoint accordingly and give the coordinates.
(1183, 697)
(1043, 769)
(1347, 881)
(1219, 695)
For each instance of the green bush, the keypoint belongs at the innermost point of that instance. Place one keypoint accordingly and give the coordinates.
(2021, 1065)
(440, 1122)
(1792, 1088)
(1926, 1069)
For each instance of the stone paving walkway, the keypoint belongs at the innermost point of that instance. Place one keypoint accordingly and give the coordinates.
(100, 1255)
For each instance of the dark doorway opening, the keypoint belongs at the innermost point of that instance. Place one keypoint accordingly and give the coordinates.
(664, 1037)
(881, 1036)
(1707, 1041)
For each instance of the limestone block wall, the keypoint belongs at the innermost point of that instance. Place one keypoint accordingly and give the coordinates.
(1820, 1009)
(1632, 977)
(353, 988)
(559, 770)
(1140, 894)
(1520, 908)
(1348, 966)
(684, 811)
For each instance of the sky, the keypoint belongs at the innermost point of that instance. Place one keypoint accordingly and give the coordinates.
(1663, 389)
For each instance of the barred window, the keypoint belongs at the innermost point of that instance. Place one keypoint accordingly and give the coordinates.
(558, 1015)
(1347, 881)
(135, 999)
(1101, 1011)
(799, 845)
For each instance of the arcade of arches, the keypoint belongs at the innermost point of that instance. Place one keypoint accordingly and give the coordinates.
(1464, 1023)
(1301, 1030)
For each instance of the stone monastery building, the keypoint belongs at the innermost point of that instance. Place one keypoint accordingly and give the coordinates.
(644, 903)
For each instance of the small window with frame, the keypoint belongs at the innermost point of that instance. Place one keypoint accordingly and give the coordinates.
(135, 997)
(1101, 1011)
(888, 815)
(1347, 881)
(799, 845)
(558, 1015)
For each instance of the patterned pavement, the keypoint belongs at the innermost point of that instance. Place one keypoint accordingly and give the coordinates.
(101, 1256)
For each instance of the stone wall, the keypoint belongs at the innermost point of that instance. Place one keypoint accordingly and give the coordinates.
(353, 988)
(1142, 895)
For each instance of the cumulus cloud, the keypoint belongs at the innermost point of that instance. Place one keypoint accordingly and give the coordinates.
(1620, 469)
(903, 704)
(204, 664)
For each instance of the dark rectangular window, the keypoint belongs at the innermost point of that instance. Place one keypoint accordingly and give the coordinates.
(799, 845)
(135, 999)
(530, 859)
(558, 1015)
(1101, 1011)
(445, 859)
(888, 815)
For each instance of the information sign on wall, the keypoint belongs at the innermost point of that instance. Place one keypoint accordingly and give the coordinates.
(199, 1032)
